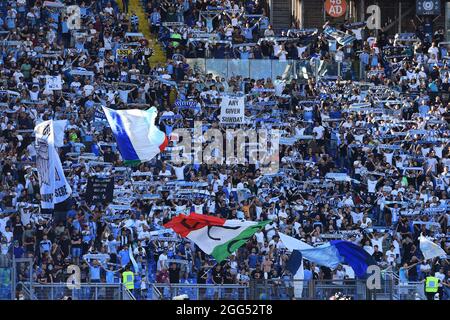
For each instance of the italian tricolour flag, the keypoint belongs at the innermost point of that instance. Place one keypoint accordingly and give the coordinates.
(215, 236)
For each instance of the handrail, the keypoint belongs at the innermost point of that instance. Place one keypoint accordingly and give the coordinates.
(127, 293)
(156, 290)
(30, 294)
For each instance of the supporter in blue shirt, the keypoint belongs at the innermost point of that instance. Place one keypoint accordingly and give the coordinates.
(247, 32)
(124, 256)
(110, 275)
(424, 108)
(94, 271)
(18, 250)
(252, 260)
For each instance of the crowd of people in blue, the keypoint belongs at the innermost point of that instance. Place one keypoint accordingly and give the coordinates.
(364, 161)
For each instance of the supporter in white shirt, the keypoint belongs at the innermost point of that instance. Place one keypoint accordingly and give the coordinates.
(433, 50)
(162, 264)
(179, 172)
(391, 256)
(368, 248)
(357, 217)
(319, 132)
(378, 241)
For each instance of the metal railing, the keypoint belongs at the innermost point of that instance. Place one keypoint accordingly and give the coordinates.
(6, 275)
(86, 291)
(281, 289)
(408, 291)
(256, 69)
(166, 291)
(265, 68)
(272, 289)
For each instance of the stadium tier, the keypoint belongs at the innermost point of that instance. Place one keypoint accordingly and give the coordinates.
(224, 150)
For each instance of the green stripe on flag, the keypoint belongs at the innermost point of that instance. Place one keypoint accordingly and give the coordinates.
(221, 252)
(132, 163)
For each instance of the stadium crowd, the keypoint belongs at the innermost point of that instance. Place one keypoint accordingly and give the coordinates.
(361, 161)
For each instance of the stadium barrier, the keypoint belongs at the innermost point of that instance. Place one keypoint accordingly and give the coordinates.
(6, 271)
(271, 289)
(287, 70)
(282, 289)
(167, 291)
(86, 291)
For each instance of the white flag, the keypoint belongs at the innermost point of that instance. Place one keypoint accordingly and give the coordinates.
(299, 277)
(54, 187)
(429, 249)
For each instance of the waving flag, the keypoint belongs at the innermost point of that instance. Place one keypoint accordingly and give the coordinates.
(342, 38)
(54, 187)
(215, 236)
(430, 249)
(295, 266)
(332, 254)
(137, 136)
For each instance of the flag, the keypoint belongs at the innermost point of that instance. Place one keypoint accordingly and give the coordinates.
(137, 136)
(325, 257)
(430, 249)
(354, 255)
(133, 261)
(341, 37)
(295, 262)
(332, 254)
(54, 187)
(295, 267)
(215, 236)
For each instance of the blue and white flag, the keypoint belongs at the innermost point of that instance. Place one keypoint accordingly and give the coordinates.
(332, 254)
(137, 136)
(430, 249)
(295, 266)
(186, 104)
(54, 187)
(342, 38)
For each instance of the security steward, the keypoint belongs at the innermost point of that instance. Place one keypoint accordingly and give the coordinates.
(128, 279)
(431, 286)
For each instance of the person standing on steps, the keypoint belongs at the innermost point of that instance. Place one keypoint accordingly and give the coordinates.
(134, 22)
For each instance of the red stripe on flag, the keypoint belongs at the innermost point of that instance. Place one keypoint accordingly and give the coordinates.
(183, 224)
(164, 144)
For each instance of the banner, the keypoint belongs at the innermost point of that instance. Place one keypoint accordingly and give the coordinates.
(232, 110)
(341, 37)
(53, 83)
(54, 187)
(100, 189)
(99, 115)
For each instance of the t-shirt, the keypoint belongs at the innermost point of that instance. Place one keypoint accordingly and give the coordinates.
(124, 257)
(368, 249)
(217, 276)
(438, 151)
(358, 33)
(390, 256)
(377, 242)
(95, 272)
(388, 157)
(319, 131)
(371, 186)
(162, 261)
(357, 216)
(179, 172)
(300, 51)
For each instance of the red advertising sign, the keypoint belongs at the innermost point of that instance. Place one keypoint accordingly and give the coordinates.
(336, 8)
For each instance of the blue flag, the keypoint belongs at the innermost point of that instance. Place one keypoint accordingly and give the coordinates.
(294, 262)
(352, 254)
